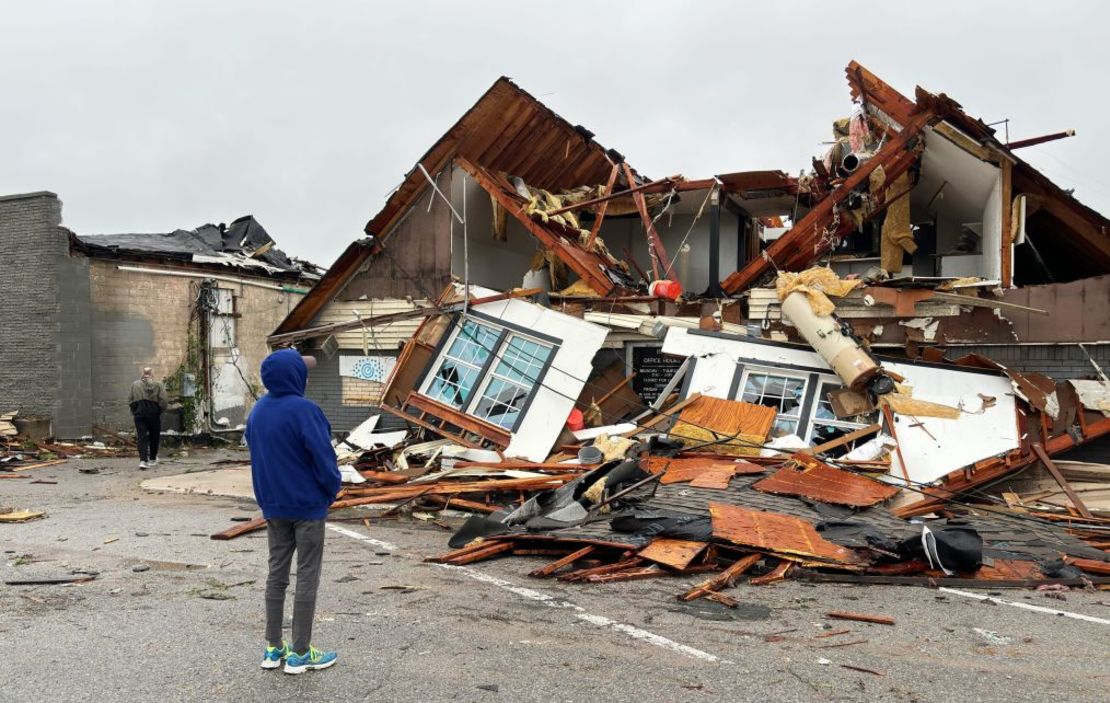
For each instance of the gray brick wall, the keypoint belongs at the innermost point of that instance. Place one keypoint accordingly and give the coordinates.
(325, 389)
(44, 348)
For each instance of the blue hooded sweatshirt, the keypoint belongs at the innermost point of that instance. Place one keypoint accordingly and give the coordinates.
(293, 465)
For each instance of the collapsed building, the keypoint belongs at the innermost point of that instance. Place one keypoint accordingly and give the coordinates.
(919, 316)
(195, 305)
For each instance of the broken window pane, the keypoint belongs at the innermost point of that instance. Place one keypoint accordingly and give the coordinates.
(826, 427)
(824, 409)
(462, 363)
(511, 381)
(783, 393)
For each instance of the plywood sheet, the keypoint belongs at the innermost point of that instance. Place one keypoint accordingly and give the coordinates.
(775, 532)
(707, 419)
(810, 478)
(675, 553)
(908, 405)
(685, 469)
(716, 478)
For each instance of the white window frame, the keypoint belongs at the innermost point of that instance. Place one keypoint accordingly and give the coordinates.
(487, 372)
(798, 419)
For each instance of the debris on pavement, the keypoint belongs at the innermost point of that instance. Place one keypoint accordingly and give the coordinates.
(824, 412)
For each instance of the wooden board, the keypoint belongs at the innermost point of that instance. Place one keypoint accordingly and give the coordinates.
(707, 419)
(675, 553)
(716, 478)
(809, 477)
(775, 532)
(685, 468)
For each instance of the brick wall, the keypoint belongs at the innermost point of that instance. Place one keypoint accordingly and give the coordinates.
(44, 347)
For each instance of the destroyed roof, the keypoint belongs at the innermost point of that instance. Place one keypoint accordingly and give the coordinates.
(244, 244)
(1083, 235)
(507, 130)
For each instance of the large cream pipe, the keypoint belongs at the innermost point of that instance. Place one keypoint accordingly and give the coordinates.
(854, 365)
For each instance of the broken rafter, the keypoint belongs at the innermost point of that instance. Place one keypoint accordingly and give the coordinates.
(1032, 141)
(604, 207)
(660, 262)
(811, 236)
(588, 265)
(610, 195)
(1055, 471)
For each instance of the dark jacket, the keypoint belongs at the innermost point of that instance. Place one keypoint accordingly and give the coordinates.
(293, 464)
(147, 398)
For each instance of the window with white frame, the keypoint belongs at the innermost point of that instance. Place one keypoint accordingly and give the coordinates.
(782, 391)
(825, 426)
(488, 371)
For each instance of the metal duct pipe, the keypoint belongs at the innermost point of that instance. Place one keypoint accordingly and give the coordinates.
(847, 358)
(850, 163)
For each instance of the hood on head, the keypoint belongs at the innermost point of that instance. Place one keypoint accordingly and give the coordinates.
(284, 373)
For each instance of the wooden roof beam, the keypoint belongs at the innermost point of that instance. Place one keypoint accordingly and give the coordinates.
(801, 240)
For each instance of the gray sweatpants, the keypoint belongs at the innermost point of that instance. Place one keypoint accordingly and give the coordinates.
(306, 538)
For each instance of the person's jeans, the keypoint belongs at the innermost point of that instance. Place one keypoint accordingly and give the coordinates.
(306, 538)
(148, 430)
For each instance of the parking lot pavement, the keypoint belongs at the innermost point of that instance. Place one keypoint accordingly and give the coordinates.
(174, 615)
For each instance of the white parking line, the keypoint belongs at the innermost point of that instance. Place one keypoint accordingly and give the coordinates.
(387, 546)
(533, 595)
(1025, 606)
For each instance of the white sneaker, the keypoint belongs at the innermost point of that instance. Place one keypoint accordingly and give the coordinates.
(143, 466)
(152, 463)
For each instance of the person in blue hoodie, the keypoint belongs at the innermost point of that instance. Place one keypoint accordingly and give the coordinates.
(296, 478)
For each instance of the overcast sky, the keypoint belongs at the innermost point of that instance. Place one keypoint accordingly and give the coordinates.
(148, 116)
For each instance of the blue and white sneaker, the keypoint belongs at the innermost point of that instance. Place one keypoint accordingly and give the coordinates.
(271, 658)
(312, 659)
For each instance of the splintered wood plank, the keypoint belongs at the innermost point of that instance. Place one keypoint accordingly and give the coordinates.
(241, 529)
(741, 427)
(722, 580)
(775, 532)
(860, 617)
(1010, 570)
(1052, 469)
(675, 553)
(682, 469)
(809, 477)
(567, 560)
(776, 574)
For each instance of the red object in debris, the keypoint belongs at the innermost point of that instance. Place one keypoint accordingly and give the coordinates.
(664, 288)
(575, 421)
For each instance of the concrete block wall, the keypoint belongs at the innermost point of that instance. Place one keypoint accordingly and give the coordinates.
(44, 348)
(139, 319)
(143, 319)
